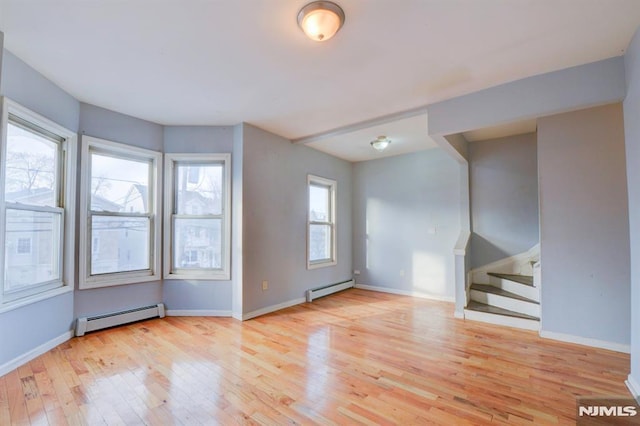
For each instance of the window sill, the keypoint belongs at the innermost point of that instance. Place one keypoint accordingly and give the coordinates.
(198, 277)
(318, 265)
(112, 280)
(16, 304)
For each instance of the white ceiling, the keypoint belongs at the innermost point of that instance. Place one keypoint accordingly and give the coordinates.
(406, 134)
(220, 62)
(495, 132)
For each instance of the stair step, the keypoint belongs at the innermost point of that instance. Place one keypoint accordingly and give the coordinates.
(522, 279)
(481, 307)
(486, 288)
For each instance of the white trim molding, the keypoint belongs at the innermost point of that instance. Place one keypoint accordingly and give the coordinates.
(273, 308)
(438, 297)
(34, 353)
(633, 386)
(197, 313)
(585, 341)
(35, 298)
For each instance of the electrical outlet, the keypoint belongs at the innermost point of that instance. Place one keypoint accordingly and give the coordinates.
(356, 272)
(265, 285)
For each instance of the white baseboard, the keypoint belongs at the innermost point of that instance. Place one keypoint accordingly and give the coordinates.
(197, 313)
(34, 353)
(459, 315)
(617, 347)
(633, 386)
(407, 293)
(273, 308)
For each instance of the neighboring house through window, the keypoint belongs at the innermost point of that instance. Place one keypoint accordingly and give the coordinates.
(120, 193)
(24, 246)
(197, 216)
(36, 214)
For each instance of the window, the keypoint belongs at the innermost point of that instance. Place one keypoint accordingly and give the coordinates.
(120, 194)
(24, 246)
(321, 222)
(197, 216)
(36, 213)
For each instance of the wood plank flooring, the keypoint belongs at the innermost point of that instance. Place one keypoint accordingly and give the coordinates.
(357, 357)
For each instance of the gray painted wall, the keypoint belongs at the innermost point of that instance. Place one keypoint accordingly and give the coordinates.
(583, 86)
(275, 213)
(504, 198)
(632, 139)
(51, 318)
(31, 89)
(584, 227)
(397, 202)
(199, 294)
(113, 126)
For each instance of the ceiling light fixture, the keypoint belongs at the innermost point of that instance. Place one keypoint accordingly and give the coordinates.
(321, 20)
(381, 143)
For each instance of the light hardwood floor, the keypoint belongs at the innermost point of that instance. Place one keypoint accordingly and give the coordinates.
(358, 357)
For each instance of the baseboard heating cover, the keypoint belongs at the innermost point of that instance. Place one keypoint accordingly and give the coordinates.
(98, 322)
(328, 289)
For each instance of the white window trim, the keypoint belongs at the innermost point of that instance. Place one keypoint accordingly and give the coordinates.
(223, 274)
(333, 186)
(67, 203)
(86, 280)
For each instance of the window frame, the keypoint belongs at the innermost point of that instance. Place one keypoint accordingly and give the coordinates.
(90, 145)
(65, 192)
(170, 183)
(332, 222)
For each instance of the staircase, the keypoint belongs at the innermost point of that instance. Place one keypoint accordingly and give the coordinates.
(508, 299)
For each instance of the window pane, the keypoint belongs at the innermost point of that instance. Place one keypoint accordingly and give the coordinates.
(32, 248)
(199, 190)
(119, 244)
(31, 168)
(119, 184)
(319, 242)
(319, 203)
(197, 243)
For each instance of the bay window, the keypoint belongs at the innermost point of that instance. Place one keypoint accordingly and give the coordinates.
(36, 214)
(197, 216)
(120, 193)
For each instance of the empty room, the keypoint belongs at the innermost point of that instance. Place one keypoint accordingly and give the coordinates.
(319, 212)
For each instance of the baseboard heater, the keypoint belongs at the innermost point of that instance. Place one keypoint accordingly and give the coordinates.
(98, 322)
(328, 289)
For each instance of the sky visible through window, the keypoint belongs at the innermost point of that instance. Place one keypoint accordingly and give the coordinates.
(113, 178)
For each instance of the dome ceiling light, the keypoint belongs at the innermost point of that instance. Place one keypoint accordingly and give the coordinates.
(381, 143)
(321, 20)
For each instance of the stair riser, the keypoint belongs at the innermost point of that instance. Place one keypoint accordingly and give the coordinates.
(513, 287)
(502, 320)
(506, 303)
